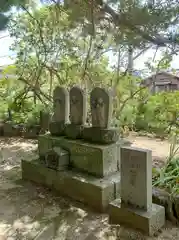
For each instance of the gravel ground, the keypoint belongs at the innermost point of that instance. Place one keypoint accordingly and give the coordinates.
(29, 212)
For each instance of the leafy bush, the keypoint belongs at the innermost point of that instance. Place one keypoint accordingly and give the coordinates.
(168, 176)
(160, 113)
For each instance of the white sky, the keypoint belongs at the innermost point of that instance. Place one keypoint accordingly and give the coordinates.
(7, 56)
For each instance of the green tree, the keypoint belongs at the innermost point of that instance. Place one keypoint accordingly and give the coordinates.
(5, 7)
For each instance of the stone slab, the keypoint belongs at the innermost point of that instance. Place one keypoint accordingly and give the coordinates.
(95, 192)
(136, 177)
(148, 222)
(98, 160)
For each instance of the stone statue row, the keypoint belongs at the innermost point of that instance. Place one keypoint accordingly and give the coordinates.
(70, 114)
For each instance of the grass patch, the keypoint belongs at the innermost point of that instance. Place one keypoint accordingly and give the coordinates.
(168, 177)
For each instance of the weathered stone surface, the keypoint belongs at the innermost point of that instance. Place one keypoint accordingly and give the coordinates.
(95, 192)
(149, 222)
(78, 109)
(44, 121)
(56, 158)
(57, 128)
(171, 204)
(99, 135)
(120, 143)
(161, 197)
(135, 208)
(99, 160)
(73, 131)
(44, 144)
(60, 105)
(136, 177)
(101, 107)
(52, 159)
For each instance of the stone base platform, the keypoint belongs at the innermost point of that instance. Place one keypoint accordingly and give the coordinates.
(94, 192)
(96, 160)
(147, 222)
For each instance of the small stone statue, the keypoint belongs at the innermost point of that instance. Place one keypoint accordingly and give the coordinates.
(101, 114)
(78, 113)
(61, 111)
(60, 104)
(77, 106)
(101, 107)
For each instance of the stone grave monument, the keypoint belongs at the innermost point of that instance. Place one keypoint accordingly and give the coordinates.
(72, 160)
(60, 111)
(78, 113)
(101, 112)
(135, 207)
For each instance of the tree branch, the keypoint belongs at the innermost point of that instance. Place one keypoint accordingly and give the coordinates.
(121, 19)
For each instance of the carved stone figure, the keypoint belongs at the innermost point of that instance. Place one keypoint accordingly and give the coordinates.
(61, 111)
(60, 105)
(77, 106)
(101, 107)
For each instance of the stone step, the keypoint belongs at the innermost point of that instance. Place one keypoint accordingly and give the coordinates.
(95, 192)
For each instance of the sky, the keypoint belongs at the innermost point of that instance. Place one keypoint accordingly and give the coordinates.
(7, 56)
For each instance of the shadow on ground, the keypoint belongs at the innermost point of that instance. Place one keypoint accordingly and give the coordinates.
(29, 211)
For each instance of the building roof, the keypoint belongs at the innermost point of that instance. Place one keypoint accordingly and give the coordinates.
(170, 74)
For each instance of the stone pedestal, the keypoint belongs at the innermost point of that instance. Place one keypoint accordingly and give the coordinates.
(73, 131)
(57, 128)
(98, 160)
(95, 192)
(148, 222)
(100, 136)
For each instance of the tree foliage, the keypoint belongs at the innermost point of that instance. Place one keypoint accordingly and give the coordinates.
(66, 43)
(5, 7)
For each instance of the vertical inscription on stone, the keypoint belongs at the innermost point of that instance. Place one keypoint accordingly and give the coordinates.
(136, 177)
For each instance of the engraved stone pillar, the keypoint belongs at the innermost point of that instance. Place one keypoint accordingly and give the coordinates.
(135, 208)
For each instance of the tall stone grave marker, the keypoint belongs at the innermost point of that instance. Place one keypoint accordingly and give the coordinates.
(61, 111)
(135, 208)
(136, 180)
(78, 113)
(101, 107)
(101, 112)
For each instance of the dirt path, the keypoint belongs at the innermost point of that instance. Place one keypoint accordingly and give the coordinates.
(159, 148)
(31, 212)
